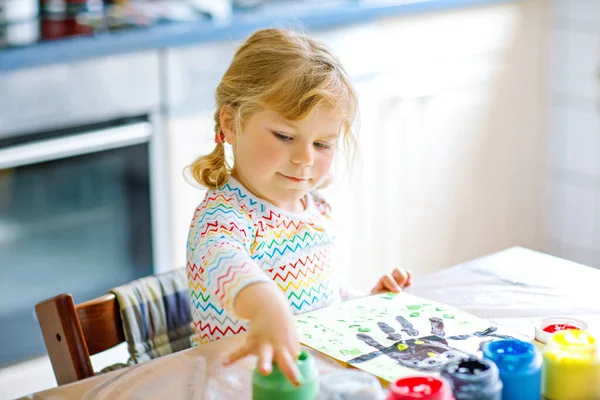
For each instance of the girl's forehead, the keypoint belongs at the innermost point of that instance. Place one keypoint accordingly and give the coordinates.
(323, 119)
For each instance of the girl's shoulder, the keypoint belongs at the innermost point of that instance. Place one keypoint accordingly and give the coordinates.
(231, 193)
(230, 201)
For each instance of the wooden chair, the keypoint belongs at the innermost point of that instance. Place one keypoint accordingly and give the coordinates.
(74, 332)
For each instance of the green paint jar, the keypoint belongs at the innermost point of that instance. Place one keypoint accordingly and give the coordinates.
(276, 386)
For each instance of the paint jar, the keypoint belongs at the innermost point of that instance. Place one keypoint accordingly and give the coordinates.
(571, 367)
(520, 366)
(349, 385)
(277, 386)
(420, 387)
(472, 378)
(546, 327)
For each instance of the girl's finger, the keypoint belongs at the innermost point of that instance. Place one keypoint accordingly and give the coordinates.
(390, 284)
(378, 287)
(400, 276)
(238, 353)
(265, 359)
(408, 279)
(287, 365)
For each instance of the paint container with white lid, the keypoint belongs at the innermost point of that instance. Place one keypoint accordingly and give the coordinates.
(546, 327)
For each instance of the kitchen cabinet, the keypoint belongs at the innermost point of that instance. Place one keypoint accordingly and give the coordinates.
(90, 91)
(192, 75)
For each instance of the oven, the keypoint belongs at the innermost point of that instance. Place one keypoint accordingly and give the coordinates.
(83, 194)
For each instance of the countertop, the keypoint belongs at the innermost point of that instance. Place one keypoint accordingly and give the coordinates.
(305, 14)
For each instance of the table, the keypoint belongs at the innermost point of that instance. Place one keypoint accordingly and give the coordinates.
(512, 288)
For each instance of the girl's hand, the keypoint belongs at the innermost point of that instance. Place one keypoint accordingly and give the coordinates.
(397, 280)
(272, 337)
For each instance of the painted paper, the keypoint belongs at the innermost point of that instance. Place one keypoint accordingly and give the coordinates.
(395, 335)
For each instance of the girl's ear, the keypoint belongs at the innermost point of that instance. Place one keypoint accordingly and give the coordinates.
(227, 120)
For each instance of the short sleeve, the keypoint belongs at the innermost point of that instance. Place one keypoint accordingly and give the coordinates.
(218, 251)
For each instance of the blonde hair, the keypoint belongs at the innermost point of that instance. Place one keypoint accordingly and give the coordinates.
(286, 72)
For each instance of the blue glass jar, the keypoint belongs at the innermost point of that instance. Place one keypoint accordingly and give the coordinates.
(520, 367)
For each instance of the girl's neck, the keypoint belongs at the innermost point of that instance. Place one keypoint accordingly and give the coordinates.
(295, 207)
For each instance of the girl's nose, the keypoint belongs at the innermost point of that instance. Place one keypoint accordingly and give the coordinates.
(303, 155)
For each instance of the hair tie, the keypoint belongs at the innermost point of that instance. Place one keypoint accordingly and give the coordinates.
(220, 138)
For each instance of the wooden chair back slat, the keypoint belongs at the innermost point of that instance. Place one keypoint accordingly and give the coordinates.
(74, 332)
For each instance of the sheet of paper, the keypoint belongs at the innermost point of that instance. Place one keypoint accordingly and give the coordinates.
(395, 335)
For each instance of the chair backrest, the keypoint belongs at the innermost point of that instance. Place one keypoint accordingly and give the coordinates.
(72, 333)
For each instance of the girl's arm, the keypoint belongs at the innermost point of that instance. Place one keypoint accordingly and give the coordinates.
(219, 246)
(272, 335)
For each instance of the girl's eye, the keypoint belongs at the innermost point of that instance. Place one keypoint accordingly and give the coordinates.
(282, 137)
(321, 145)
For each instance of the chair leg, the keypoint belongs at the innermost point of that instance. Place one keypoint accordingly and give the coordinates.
(64, 339)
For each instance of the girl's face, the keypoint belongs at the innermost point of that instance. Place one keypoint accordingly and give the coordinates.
(280, 160)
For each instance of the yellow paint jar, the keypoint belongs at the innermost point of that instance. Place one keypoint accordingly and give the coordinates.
(571, 367)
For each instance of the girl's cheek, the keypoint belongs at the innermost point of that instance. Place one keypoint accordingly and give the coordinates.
(327, 160)
(269, 156)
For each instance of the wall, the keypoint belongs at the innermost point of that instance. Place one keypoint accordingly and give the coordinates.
(452, 143)
(573, 195)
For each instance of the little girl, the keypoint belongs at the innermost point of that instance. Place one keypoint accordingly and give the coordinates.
(259, 245)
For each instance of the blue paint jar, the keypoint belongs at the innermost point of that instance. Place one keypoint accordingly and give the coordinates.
(472, 378)
(520, 367)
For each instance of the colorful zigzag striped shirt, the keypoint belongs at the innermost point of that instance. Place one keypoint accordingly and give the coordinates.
(237, 239)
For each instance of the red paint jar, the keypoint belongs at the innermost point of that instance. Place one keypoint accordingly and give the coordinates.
(546, 327)
(420, 387)
(558, 327)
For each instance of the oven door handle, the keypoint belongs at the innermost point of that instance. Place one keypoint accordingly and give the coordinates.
(76, 145)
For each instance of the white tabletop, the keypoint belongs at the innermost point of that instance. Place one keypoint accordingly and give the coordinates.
(513, 288)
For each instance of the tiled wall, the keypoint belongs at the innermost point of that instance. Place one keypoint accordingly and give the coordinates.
(574, 128)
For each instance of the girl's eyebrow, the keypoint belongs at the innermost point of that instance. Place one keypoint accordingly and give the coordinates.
(278, 119)
(286, 125)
